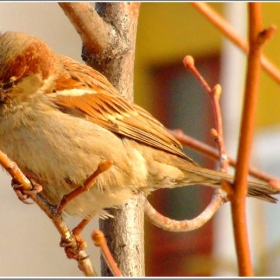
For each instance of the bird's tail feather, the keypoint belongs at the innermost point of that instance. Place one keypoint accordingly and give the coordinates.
(259, 190)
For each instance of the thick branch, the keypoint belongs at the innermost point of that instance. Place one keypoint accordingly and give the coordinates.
(111, 51)
(96, 34)
(108, 35)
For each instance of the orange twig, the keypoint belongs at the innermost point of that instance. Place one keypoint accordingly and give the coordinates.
(236, 38)
(217, 200)
(100, 241)
(218, 134)
(12, 168)
(165, 223)
(83, 262)
(214, 95)
(211, 152)
(256, 39)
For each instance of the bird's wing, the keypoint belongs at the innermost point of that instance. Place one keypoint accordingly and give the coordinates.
(91, 94)
(80, 76)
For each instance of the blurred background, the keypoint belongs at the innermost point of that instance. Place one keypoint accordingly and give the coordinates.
(166, 33)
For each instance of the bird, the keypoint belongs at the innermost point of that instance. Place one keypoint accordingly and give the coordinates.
(59, 119)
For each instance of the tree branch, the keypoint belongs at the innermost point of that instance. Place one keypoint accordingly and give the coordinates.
(214, 154)
(111, 51)
(233, 35)
(108, 33)
(95, 33)
(168, 224)
(66, 235)
(256, 40)
(214, 94)
(219, 196)
(100, 241)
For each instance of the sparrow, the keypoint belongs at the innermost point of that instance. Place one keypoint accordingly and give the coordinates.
(59, 119)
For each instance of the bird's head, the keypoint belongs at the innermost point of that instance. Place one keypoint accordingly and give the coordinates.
(27, 66)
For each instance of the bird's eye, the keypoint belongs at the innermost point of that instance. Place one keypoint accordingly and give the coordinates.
(8, 85)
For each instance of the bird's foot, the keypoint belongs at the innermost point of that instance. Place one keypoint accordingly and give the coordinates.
(22, 194)
(72, 248)
(89, 182)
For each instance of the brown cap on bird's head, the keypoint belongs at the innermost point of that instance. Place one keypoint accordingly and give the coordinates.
(22, 55)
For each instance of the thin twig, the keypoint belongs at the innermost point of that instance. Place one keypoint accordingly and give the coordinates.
(100, 241)
(257, 38)
(12, 168)
(236, 38)
(67, 237)
(218, 134)
(66, 234)
(187, 225)
(168, 224)
(212, 153)
(214, 95)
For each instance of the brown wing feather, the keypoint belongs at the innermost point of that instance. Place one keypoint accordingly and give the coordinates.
(82, 76)
(105, 106)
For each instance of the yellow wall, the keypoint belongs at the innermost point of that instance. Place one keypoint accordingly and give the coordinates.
(269, 101)
(169, 31)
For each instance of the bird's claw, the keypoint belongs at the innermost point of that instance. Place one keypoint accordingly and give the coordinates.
(72, 250)
(22, 194)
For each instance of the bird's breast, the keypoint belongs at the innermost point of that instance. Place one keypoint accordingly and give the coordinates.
(59, 148)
